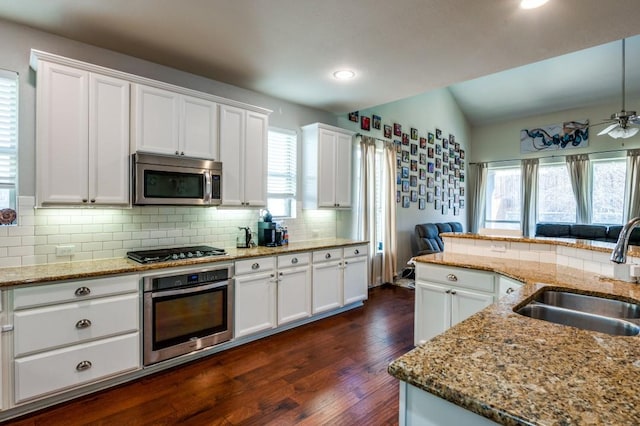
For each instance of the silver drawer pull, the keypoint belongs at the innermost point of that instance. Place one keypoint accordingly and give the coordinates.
(255, 266)
(83, 291)
(83, 323)
(452, 277)
(510, 290)
(83, 365)
(327, 256)
(294, 260)
(356, 251)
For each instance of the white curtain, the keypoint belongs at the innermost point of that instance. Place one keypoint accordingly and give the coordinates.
(478, 177)
(389, 240)
(367, 213)
(580, 175)
(529, 191)
(632, 186)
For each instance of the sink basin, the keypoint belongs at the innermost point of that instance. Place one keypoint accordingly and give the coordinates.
(611, 316)
(591, 304)
(583, 320)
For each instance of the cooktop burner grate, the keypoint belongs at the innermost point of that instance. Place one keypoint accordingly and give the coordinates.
(177, 253)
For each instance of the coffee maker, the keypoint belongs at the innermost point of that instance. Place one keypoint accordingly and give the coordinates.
(268, 233)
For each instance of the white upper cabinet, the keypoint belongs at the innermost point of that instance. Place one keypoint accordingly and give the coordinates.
(171, 123)
(243, 152)
(82, 137)
(327, 156)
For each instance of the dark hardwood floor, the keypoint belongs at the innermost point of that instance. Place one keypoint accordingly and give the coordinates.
(333, 371)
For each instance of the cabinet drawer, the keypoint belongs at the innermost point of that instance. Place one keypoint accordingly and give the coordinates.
(74, 290)
(459, 277)
(291, 260)
(326, 255)
(260, 264)
(63, 368)
(353, 251)
(70, 323)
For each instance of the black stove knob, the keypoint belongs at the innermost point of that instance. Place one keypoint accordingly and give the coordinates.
(182, 256)
(174, 257)
(199, 253)
(189, 254)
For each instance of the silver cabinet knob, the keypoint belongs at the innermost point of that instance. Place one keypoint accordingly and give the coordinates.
(294, 260)
(177, 153)
(356, 251)
(452, 277)
(83, 365)
(255, 266)
(83, 291)
(510, 290)
(83, 323)
(327, 256)
(453, 292)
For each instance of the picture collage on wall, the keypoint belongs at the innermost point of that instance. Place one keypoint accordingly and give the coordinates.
(429, 167)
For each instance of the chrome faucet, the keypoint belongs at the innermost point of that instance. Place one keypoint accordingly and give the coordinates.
(619, 253)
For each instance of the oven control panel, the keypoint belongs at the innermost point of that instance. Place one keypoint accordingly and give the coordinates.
(186, 279)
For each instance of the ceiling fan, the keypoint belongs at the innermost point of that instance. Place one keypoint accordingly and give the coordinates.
(621, 121)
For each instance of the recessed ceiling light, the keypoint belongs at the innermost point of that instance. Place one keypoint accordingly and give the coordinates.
(344, 74)
(532, 4)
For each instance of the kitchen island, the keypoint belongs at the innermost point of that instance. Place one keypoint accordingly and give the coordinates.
(515, 370)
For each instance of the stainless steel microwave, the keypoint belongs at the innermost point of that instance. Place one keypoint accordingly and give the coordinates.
(169, 180)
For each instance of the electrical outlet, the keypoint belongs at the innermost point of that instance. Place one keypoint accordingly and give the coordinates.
(65, 250)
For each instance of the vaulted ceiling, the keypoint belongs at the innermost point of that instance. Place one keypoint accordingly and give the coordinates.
(290, 48)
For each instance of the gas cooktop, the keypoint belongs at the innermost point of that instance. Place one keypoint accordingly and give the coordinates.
(177, 253)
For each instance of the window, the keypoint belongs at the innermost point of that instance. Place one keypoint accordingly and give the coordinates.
(556, 202)
(607, 192)
(8, 138)
(282, 172)
(503, 205)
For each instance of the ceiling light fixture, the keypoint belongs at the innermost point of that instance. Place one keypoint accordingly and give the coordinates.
(344, 74)
(532, 4)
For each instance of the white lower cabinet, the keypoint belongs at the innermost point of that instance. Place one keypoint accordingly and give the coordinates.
(74, 365)
(327, 280)
(356, 274)
(74, 333)
(294, 287)
(447, 295)
(255, 295)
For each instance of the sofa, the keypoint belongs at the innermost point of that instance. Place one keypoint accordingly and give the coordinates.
(427, 236)
(585, 232)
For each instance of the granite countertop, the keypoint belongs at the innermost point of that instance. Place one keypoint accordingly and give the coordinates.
(95, 268)
(601, 246)
(518, 370)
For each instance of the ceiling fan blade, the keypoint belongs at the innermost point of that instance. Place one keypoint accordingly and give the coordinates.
(608, 129)
(634, 119)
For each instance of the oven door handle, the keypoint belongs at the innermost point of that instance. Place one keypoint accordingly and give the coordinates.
(188, 290)
(208, 187)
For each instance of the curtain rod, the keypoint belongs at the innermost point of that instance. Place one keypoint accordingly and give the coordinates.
(378, 139)
(553, 156)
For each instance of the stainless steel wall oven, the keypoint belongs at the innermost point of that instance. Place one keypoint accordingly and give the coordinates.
(186, 312)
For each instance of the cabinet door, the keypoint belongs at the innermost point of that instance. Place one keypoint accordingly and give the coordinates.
(156, 123)
(255, 160)
(507, 285)
(232, 128)
(327, 286)
(465, 303)
(199, 129)
(62, 135)
(432, 311)
(343, 170)
(294, 294)
(327, 141)
(255, 297)
(108, 140)
(356, 279)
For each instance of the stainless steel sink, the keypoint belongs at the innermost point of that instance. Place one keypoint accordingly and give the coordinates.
(592, 304)
(587, 312)
(583, 320)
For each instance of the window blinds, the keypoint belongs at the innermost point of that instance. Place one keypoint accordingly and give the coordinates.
(8, 128)
(282, 176)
